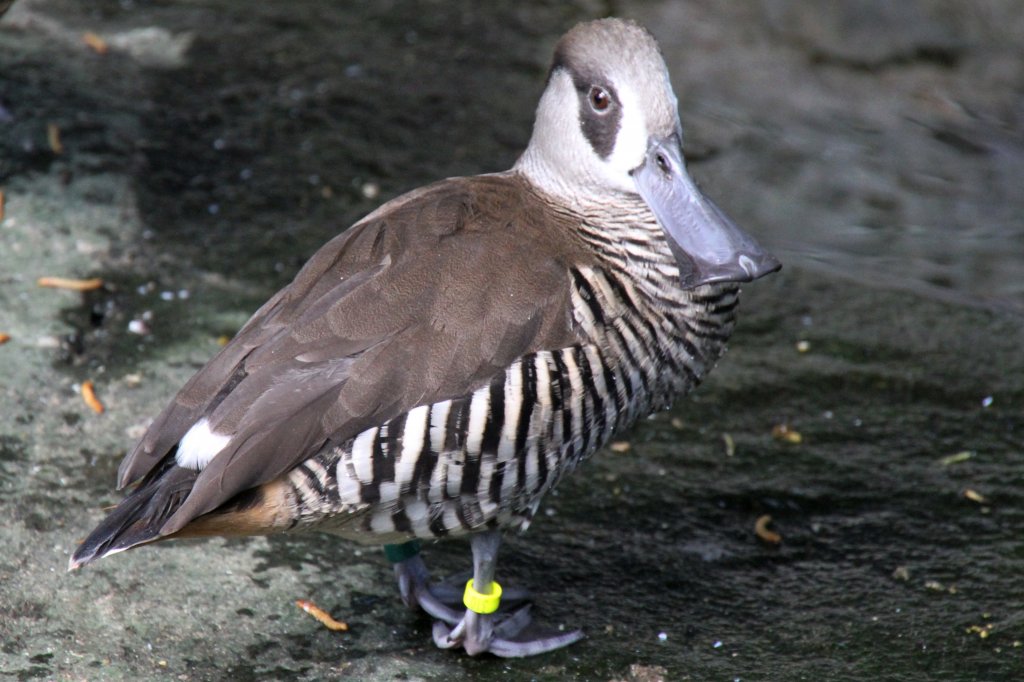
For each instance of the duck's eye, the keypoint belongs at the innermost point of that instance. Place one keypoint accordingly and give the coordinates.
(600, 100)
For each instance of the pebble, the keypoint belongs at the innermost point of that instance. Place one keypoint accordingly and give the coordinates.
(370, 190)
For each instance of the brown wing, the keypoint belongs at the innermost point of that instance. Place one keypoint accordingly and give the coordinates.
(426, 299)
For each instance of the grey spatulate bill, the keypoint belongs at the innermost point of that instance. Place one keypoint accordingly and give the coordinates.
(708, 246)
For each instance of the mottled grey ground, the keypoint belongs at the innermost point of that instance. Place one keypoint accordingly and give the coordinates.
(876, 146)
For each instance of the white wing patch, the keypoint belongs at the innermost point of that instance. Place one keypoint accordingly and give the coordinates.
(199, 446)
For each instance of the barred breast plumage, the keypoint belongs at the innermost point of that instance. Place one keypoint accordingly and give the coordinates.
(434, 370)
(485, 459)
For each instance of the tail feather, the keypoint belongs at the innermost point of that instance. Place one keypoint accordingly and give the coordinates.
(138, 518)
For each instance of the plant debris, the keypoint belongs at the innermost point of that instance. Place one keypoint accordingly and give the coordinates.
(785, 434)
(982, 631)
(71, 284)
(53, 138)
(89, 396)
(730, 444)
(763, 532)
(95, 43)
(328, 621)
(975, 496)
(936, 586)
(956, 458)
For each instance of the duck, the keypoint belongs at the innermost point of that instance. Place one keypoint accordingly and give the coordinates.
(435, 370)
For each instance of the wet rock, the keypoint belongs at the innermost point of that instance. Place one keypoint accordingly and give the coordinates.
(870, 33)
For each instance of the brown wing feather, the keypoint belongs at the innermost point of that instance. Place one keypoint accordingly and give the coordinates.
(426, 299)
(265, 330)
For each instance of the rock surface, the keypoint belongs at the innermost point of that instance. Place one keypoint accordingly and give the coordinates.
(212, 146)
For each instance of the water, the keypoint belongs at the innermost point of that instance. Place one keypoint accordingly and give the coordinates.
(892, 156)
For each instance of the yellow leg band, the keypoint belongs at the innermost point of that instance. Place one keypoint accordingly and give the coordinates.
(482, 603)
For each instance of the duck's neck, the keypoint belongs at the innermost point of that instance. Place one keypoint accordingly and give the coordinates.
(632, 305)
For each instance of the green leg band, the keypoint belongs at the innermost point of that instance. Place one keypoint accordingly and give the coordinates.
(406, 550)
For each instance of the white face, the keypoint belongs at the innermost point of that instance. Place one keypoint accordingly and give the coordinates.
(632, 141)
(594, 126)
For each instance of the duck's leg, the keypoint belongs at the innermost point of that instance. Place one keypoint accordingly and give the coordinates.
(442, 600)
(414, 583)
(482, 628)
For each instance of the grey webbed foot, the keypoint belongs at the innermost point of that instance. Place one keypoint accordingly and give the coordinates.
(508, 636)
(491, 621)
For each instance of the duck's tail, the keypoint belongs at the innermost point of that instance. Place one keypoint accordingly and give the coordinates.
(137, 520)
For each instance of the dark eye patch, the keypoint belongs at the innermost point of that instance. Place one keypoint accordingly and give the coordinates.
(599, 126)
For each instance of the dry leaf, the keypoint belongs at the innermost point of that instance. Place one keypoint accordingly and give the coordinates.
(72, 284)
(89, 396)
(730, 444)
(321, 615)
(956, 458)
(95, 42)
(975, 496)
(782, 432)
(53, 137)
(762, 531)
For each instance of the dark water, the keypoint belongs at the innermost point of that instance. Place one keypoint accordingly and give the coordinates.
(881, 141)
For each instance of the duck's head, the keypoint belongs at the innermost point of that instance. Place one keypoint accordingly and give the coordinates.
(608, 125)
